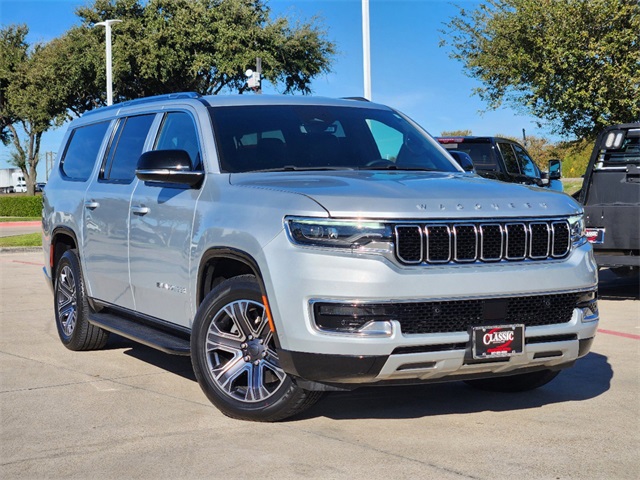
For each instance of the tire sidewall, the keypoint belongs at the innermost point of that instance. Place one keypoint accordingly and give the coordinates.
(70, 259)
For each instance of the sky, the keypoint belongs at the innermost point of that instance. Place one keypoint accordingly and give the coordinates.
(409, 70)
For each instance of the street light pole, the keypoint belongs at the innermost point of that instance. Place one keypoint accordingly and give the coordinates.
(366, 50)
(107, 24)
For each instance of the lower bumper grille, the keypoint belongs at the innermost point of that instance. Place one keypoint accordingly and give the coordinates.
(450, 316)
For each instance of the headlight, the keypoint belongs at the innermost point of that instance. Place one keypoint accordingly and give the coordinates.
(577, 230)
(362, 236)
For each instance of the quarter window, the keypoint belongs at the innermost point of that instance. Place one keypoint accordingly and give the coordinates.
(510, 160)
(82, 151)
(126, 147)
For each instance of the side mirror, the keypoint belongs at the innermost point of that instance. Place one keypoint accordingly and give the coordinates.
(555, 169)
(463, 159)
(168, 166)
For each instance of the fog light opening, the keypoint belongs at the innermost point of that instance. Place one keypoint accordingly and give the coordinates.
(357, 319)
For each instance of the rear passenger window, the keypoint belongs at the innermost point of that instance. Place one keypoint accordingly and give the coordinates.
(82, 151)
(126, 147)
(510, 160)
(178, 132)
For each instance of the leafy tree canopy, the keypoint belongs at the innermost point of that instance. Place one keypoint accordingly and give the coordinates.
(165, 46)
(30, 100)
(455, 133)
(161, 46)
(572, 63)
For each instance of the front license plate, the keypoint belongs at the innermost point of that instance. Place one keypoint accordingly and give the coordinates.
(497, 341)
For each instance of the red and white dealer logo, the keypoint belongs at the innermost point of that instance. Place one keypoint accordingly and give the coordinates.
(498, 340)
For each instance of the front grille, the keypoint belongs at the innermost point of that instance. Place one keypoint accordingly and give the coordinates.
(452, 316)
(486, 242)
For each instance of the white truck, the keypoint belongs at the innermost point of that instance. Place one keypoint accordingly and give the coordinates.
(12, 180)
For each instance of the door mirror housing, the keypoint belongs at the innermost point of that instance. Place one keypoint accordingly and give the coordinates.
(168, 166)
(463, 159)
(555, 169)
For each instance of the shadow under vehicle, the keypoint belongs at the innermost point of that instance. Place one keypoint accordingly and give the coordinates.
(610, 194)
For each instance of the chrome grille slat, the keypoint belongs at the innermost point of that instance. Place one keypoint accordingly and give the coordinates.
(493, 241)
(516, 241)
(438, 243)
(411, 250)
(465, 243)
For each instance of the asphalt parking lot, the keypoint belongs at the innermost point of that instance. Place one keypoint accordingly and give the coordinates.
(131, 412)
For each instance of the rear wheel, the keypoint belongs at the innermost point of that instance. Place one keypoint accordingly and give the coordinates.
(234, 356)
(72, 309)
(514, 383)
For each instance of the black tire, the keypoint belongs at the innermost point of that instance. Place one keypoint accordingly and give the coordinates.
(514, 383)
(72, 309)
(235, 360)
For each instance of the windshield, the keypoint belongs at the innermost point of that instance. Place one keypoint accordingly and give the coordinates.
(311, 137)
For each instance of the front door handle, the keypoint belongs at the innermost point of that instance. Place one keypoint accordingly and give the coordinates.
(140, 210)
(91, 205)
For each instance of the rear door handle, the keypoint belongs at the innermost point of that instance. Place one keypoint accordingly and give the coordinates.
(91, 205)
(140, 210)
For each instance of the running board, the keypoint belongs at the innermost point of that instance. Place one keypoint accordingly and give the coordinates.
(141, 333)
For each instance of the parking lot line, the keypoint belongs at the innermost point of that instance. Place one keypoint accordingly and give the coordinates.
(619, 334)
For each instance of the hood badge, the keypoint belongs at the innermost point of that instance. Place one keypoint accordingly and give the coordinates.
(478, 206)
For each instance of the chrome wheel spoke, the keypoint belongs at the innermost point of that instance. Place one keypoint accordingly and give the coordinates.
(240, 353)
(66, 300)
(247, 317)
(228, 372)
(215, 341)
(256, 389)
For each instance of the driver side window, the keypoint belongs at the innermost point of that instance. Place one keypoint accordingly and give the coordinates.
(526, 164)
(178, 132)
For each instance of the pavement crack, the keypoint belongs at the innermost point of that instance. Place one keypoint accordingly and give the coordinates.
(391, 454)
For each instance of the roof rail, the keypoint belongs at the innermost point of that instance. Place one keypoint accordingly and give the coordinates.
(140, 101)
(360, 99)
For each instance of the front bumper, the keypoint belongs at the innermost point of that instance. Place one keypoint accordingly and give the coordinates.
(296, 277)
(349, 371)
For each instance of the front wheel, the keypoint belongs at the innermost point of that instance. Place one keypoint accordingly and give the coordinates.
(72, 309)
(234, 356)
(514, 383)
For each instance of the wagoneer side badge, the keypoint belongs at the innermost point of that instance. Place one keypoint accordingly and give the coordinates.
(171, 288)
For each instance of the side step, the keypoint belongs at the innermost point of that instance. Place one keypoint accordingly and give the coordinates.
(141, 333)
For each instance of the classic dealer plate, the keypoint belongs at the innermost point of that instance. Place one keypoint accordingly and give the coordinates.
(497, 341)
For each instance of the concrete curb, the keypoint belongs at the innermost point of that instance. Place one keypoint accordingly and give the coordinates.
(19, 249)
(30, 223)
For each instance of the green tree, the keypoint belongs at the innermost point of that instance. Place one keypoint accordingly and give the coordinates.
(573, 63)
(165, 46)
(455, 133)
(29, 100)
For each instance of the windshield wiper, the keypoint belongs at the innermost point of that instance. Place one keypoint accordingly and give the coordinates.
(293, 168)
(402, 169)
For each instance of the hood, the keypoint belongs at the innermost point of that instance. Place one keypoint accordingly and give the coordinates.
(412, 195)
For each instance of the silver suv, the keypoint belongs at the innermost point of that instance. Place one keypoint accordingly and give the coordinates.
(293, 246)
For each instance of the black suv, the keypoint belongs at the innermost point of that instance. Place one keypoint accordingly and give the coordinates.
(503, 159)
(611, 197)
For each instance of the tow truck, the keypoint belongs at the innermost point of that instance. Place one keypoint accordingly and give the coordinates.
(610, 194)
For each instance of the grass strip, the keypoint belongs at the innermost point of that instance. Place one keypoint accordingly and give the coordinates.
(27, 240)
(19, 219)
